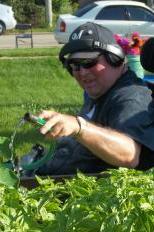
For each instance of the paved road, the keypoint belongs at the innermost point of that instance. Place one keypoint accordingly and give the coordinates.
(40, 40)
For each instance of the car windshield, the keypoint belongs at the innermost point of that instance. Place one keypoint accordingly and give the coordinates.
(84, 10)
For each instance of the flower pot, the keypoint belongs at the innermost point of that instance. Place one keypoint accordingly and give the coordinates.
(135, 65)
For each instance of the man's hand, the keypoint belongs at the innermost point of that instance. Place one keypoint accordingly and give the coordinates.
(109, 145)
(58, 125)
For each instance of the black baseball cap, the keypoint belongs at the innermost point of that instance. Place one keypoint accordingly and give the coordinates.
(88, 41)
(147, 55)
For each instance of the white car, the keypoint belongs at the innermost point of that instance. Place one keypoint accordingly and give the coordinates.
(7, 20)
(121, 17)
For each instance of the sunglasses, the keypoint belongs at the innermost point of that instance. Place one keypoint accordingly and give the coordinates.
(77, 64)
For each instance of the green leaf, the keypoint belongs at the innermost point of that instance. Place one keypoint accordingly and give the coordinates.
(8, 177)
(4, 148)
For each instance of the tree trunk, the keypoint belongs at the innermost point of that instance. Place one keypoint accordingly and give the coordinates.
(48, 6)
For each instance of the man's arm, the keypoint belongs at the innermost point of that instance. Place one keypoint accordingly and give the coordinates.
(109, 145)
(112, 146)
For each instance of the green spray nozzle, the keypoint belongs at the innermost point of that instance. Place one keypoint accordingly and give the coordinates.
(32, 118)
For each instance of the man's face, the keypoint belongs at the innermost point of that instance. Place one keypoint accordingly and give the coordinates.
(97, 79)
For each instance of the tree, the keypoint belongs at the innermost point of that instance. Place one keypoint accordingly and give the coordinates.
(35, 12)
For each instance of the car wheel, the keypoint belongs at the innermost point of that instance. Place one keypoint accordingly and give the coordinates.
(2, 28)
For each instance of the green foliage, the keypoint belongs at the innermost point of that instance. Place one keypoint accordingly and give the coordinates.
(27, 11)
(8, 177)
(123, 201)
(60, 7)
(56, 4)
(4, 149)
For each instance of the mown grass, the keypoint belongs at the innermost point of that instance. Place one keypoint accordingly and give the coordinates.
(29, 52)
(30, 85)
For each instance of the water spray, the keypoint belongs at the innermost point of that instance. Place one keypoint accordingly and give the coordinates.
(37, 156)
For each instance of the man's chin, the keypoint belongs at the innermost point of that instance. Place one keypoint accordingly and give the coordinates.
(94, 96)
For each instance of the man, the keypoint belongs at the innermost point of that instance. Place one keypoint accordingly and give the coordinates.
(115, 126)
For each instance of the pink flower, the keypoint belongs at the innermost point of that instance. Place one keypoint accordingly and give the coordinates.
(135, 34)
(131, 45)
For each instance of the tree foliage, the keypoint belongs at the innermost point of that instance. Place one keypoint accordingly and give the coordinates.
(33, 11)
(26, 11)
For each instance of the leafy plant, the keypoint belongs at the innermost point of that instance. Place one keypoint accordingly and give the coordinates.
(121, 201)
(4, 148)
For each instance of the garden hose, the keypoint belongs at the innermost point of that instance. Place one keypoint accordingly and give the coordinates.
(45, 158)
(50, 153)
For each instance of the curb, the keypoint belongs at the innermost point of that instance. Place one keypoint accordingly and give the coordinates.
(34, 33)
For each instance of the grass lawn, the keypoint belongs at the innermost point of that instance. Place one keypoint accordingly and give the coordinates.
(29, 52)
(31, 84)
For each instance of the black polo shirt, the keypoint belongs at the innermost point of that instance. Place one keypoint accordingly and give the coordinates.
(128, 108)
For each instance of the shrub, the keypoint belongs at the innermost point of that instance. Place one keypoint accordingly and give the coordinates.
(28, 11)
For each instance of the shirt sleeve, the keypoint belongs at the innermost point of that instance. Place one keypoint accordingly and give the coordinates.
(133, 114)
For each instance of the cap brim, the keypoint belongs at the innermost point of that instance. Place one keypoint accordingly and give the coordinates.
(84, 55)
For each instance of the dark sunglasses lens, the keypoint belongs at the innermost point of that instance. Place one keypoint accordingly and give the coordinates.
(89, 64)
(74, 66)
(83, 63)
